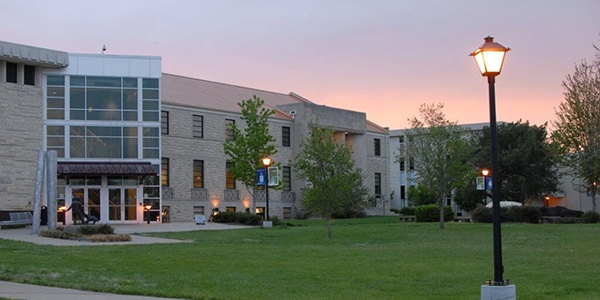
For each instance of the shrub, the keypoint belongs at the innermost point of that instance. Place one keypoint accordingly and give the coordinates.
(431, 213)
(527, 214)
(95, 229)
(482, 214)
(591, 217)
(395, 210)
(275, 220)
(410, 211)
(237, 217)
(59, 233)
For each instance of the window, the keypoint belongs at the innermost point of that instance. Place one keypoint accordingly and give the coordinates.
(230, 209)
(377, 183)
(55, 98)
(150, 99)
(164, 122)
(108, 99)
(228, 129)
(29, 75)
(401, 161)
(411, 163)
(377, 147)
(198, 174)
(55, 140)
(164, 172)
(285, 136)
(287, 212)
(287, 178)
(198, 126)
(401, 139)
(229, 181)
(11, 72)
(402, 192)
(151, 142)
(198, 210)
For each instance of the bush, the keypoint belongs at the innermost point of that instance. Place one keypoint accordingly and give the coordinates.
(237, 217)
(482, 214)
(431, 213)
(527, 214)
(591, 217)
(275, 220)
(410, 211)
(395, 210)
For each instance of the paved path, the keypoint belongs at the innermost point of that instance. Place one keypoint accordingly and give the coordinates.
(13, 290)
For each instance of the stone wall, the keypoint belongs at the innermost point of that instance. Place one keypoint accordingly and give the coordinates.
(20, 140)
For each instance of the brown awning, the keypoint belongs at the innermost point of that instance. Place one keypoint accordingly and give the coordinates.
(89, 168)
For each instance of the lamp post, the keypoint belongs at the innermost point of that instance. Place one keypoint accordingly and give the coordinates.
(485, 173)
(266, 162)
(489, 58)
(148, 207)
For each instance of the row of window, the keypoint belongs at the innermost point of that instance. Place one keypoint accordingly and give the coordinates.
(198, 175)
(101, 98)
(12, 73)
(198, 128)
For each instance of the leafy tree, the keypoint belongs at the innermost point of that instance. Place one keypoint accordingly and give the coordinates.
(577, 134)
(421, 194)
(248, 147)
(440, 152)
(337, 186)
(526, 162)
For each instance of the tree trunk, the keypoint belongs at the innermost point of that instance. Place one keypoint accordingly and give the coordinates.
(329, 226)
(442, 215)
(593, 200)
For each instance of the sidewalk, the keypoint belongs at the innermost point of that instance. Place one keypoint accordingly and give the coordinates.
(13, 290)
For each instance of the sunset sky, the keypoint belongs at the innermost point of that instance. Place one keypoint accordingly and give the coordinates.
(384, 58)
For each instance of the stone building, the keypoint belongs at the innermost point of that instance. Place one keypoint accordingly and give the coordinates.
(138, 145)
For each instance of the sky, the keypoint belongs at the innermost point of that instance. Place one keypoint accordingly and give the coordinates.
(384, 58)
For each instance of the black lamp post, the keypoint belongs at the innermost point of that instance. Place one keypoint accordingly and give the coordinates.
(489, 58)
(267, 162)
(148, 207)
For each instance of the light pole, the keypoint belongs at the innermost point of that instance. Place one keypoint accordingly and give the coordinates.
(489, 58)
(266, 162)
(148, 207)
(485, 173)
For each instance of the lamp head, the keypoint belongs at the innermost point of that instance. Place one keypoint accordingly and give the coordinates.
(490, 57)
(266, 161)
(485, 172)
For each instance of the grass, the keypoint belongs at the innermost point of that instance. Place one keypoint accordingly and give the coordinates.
(377, 258)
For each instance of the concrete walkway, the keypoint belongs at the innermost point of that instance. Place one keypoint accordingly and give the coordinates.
(13, 290)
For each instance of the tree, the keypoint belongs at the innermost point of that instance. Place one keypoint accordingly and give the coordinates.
(526, 165)
(440, 152)
(336, 184)
(577, 134)
(247, 148)
(421, 194)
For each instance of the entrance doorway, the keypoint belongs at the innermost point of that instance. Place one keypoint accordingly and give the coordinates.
(122, 204)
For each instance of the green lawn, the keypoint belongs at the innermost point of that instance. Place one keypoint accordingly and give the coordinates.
(371, 258)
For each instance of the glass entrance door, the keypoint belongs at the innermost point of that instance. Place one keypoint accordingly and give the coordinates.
(90, 197)
(115, 204)
(122, 204)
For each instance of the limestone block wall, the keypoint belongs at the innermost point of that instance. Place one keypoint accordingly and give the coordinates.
(20, 140)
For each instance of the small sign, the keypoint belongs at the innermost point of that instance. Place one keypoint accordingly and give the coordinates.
(488, 183)
(273, 176)
(261, 177)
(480, 182)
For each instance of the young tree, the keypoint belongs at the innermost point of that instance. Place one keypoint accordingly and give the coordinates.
(577, 134)
(336, 184)
(439, 150)
(247, 148)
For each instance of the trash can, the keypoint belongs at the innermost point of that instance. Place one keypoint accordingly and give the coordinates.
(44, 216)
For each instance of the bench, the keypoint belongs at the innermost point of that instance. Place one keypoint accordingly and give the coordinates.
(407, 218)
(18, 218)
(550, 220)
(462, 219)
